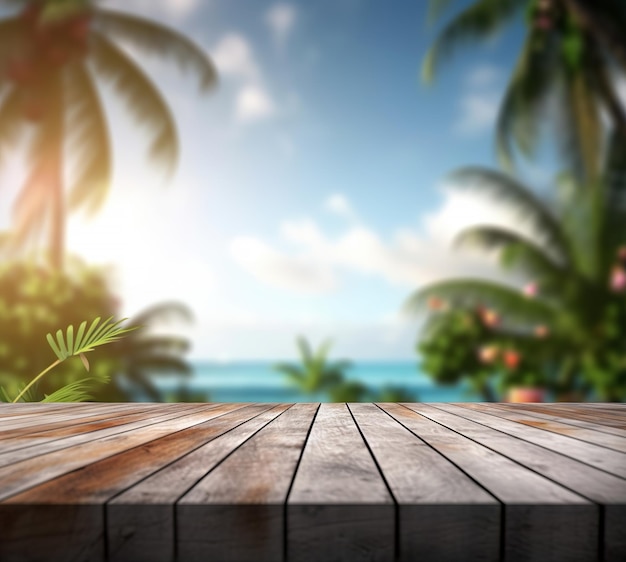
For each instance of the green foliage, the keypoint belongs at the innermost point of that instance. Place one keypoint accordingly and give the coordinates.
(64, 347)
(565, 74)
(316, 377)
(579, 307)
(35, 300)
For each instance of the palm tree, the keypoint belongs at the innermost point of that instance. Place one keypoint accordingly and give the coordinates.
(572, 55)
(315, 374)
(144, 354)
(577, 277)
(53, 55)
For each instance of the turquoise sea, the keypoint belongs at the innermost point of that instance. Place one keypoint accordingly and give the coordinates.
(257, 381)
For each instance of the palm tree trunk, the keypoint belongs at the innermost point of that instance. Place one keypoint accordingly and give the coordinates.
(55, 179)
(603, 31)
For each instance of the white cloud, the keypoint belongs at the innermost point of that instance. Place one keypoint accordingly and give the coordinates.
(410, 258)
(480, 103)
(279, 270)
(281, 18)
(483, 76)
(253, 104)
(339, 205)
(233, 57)
(478, 113)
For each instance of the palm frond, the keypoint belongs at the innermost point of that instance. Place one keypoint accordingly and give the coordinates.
(521, 199)
(89, 140)
(77, 391)
(87, 340)
(160, 40)
(141, 97)
(530, 257)
(163, 312)
(582, 138)
(466, 293)
(522, 109)
(292, 372)
(479, 21)
(305, 350)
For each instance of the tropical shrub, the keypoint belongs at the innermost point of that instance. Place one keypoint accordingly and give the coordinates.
(67, 345)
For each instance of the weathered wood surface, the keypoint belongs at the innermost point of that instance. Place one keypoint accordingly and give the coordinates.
(254, 482)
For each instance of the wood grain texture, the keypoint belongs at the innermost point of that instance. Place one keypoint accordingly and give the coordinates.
(594, 455)
(339, 507)
(541, 518)
(231, 517)
(353, 482)
(596, 485)
(615, 442)
(443, 514)
(27, 473)
(153, 499)
(93, 486)
(14, 456)
(547, 413)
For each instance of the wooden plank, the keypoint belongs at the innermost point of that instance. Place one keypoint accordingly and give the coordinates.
(594, 455)
(19, 476)
(443, 514)
(542, 520)
(589, 482)
(614, 442)
(50, 445)
(22, 409)
(339, 507)
(37, 422)
(236, 512)
(65, 429)
(85, 492)
(602, 417)
(34, 416)
(581, 414)
(141, 521)
(546, 413)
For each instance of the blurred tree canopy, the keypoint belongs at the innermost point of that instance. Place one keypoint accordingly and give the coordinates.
(54, 56)
(567, 73)
(566, 329)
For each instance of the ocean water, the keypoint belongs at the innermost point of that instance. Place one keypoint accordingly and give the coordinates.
(259, 382)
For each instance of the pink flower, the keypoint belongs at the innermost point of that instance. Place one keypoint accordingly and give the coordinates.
(618, 279)
(530, 290)
(488, 354)
(541, 331)
(490, 318)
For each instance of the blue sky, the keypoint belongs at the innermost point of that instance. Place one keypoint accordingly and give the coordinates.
(310, 197)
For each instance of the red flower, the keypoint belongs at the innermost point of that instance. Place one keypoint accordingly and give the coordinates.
(512, 359)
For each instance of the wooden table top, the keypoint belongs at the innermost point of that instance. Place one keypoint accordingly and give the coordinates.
(305, 482)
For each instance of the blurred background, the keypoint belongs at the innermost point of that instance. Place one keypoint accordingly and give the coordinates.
(340, 200)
